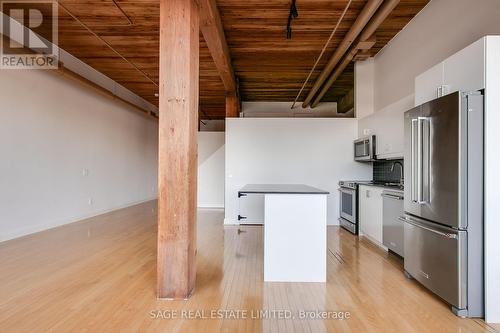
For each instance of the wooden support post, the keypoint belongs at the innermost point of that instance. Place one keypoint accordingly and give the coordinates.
(178, 124)
(232, 106)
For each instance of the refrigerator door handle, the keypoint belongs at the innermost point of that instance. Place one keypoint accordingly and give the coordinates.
(413, 223)
(414, 160)
(419, 160)
(423, 159)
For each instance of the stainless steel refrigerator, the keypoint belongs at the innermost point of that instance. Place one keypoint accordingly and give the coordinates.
(443, 222)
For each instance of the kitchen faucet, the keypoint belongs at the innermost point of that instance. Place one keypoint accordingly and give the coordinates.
(401, 177)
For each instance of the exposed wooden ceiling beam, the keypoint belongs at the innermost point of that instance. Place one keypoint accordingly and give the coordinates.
(365, 42)
(232, 106)
(363, 18)
(213, 33)
(360, 47)
(64, 71)
(346, 103)
(269, 67)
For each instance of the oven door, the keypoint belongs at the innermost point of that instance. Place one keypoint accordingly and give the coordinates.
(348, 204)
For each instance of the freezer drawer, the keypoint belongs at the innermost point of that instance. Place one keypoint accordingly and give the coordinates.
(436, 257)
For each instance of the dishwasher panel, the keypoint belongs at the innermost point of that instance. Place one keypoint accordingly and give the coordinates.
(393, 227)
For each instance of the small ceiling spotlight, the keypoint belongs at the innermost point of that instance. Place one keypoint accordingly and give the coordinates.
(157, 95)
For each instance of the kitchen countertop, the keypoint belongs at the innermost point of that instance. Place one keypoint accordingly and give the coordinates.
(280, 189)
(383, 185)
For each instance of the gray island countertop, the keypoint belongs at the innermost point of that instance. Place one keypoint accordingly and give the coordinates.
(280, 189)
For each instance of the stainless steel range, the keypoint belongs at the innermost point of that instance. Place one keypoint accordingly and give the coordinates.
(348, 196)
(349, 201)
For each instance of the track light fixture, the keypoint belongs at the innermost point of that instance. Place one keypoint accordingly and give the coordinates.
(293, 14)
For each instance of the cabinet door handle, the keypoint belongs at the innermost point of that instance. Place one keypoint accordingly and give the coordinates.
(395, 197)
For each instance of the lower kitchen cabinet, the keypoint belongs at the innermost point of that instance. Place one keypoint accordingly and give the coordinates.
(251, 209)
(371, 212)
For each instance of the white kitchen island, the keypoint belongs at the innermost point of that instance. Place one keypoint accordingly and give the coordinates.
(294, 231)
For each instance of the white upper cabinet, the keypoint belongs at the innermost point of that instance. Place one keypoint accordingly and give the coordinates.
(388, 126)
(465, 70)
(426, 84)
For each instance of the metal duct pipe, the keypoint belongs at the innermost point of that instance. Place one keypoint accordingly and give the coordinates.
(367, 33)
(349, 38)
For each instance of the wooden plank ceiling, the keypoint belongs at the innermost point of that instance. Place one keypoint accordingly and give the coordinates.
(269, 67)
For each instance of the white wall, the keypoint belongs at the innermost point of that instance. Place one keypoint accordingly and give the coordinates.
(316, 152)
(51, 130)
(442, 28)
(492, 181)
(363, 88)
(211, 158)
(283, 109)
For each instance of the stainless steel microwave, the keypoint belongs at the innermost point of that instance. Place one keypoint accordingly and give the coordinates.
(364, 149)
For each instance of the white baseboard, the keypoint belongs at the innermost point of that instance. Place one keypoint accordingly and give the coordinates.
(219, 209)
(203, 206)
(375, 242)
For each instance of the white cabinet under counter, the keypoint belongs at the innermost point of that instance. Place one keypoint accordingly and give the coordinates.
(371, 213)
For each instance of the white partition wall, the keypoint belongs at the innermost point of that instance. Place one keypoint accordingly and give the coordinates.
(211, 169)
(316, 152)
(492, 180)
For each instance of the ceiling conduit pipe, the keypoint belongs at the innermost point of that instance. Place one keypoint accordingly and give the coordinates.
(367, 34)
(358, 25)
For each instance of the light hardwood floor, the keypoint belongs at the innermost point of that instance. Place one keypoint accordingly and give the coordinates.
(98, 275)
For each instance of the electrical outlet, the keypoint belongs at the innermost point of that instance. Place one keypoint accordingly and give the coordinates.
(85, 172)
(90, 201)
